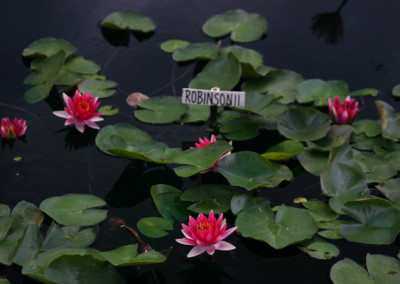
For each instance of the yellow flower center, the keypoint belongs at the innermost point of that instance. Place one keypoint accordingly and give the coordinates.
(84, 105)
(203, 226)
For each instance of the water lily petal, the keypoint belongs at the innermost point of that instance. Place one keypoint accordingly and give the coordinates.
(80, 127)
(196, 251)
(186, 241)
(211, 249)
(222, 245)
(61, 113)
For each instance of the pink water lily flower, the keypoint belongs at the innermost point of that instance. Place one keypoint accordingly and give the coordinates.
(12, 130)
(80, 111)
(203, 143)
(343, 113)
(206, 234)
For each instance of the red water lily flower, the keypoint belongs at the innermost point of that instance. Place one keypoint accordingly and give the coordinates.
(12, 130)
(80, 111)
(203, 143)
(343, 113)
(206, 234)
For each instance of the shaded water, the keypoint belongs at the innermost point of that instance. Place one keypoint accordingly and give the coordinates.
(57, 160)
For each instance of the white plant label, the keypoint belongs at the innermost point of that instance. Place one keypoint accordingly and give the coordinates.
(213, 97)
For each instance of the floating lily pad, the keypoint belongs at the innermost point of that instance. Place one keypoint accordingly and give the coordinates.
(365, 92)
(98, 88)
(313, 161)
(81, 65)
(70, 236)
(320, 211)
(74, 269)
(381, 269)
(240, 129)
(196, 113)
(376, 168)
(30, 244)
(318, 91)
(223, 72)
(336, 136)
(390, 121)
(284, 151)
(248, 71)
(228, 115)
(289, 226)
(304, 124)
(75, 209)
(244, 55)
(49, 46)
(108, 110)
(256, 102)
(243, 26)
(154, 227)
(127, 256)
(279, 83)
(378, 222)
(120, 135)
(168, 202)
(4, 210)
(24, 213)
(396, 90)
(371, 128)
(350, 186)
(320, 249)
(246, 169)
(240, 202)
(197, 160)
(128, 20)
(194, 51)
(162, 109)
(209, 197)
(171, 45)
(44, 78)
(8, 248)
(391, 189)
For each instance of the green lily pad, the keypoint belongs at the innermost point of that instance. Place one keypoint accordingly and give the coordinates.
(194, 51)
(196, 113)
(7, 251)
(162, 109)
(284, 151)
(396, 90)
(171, 45)
(97, 88)
(246, 169)
(127, 256)
(168, 202)
(5, 225)
(378, 222)
(120, 135)
(303, 124)
(363, 142)
(4, 281)
(24, 214)
(154, 227)
(227, 115)
(223, 72)
(4, 210)
(30, 244)
(49, 46)
(128, 20)
(390, 121)
(320, 211)
(244, 55)
(74, 269)
(75, 209)
(381, 269)
(209, 197)
(243, 26)
(391, 190)
(289, 226)
(313, 161)
(320, 249)
(36, 267)
(108, 110)
(70, 236)
(256, 102)
(371, 128)
(377, 169)
(318, 91)
(248, 71)
(240, 129)
(343, 183)
(44, 78)
(197, 160)
(267, 118)
(365, 92)
(279, 83)
(240, 202)
(336, 136)
(152, 151)
(81, 65)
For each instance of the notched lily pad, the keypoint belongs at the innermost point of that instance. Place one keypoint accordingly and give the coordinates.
(154, 227)
(75, 209)
(284, 151)
(243, 26)
(320, 249)
(171, 45)
(128, 20)
(98, 88)
(194, 51)
(128, 256)
(49, 46)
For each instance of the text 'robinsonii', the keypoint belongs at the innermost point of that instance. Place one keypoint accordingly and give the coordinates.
(213, 97)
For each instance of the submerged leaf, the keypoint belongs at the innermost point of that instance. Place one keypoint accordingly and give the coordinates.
(128, 20)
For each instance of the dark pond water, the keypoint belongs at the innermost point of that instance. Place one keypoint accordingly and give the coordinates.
(56, 160)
